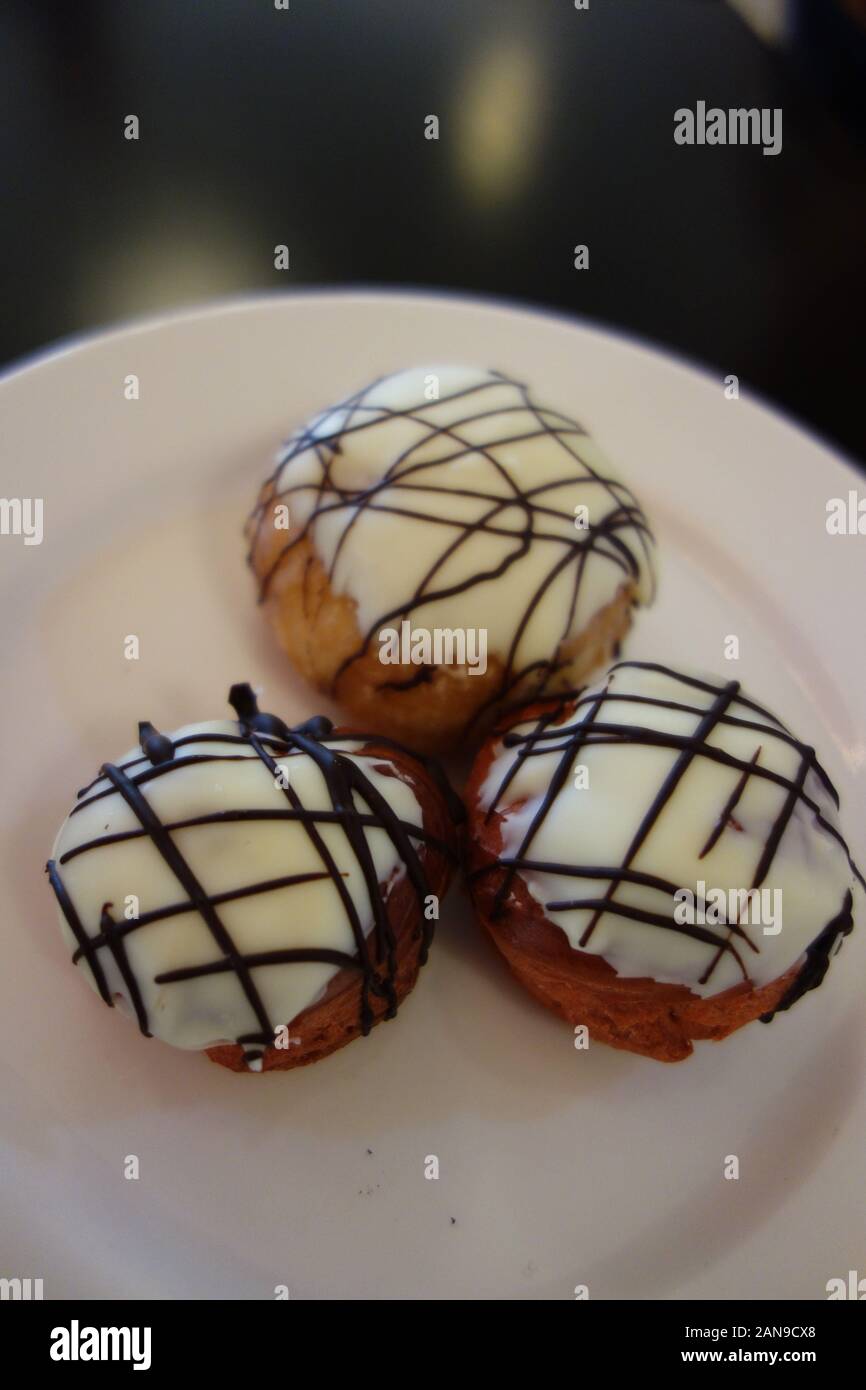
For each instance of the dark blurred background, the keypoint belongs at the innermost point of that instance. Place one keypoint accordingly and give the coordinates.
(305, 126)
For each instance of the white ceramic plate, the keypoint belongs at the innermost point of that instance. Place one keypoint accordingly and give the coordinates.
(557, 1167)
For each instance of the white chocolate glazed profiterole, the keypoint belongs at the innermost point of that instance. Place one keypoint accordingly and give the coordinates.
(685, 781)
(446, 495)
(232, 842)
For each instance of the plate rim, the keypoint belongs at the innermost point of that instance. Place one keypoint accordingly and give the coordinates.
(423, 297)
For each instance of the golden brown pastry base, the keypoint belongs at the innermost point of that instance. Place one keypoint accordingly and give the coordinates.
(318, 630)
(336, 1018)
(638, 1015)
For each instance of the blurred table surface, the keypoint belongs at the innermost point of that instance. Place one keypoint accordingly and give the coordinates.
(306, 127)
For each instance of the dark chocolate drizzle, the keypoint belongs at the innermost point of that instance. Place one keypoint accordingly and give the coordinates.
(414, 479)
(818, 955)
(548, 736)
(266, 737)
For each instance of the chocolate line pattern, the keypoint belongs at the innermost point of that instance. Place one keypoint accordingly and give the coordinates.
(548, 737)
(266, 738)
(622, 535)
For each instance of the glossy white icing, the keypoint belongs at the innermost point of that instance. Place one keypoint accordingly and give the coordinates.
(224, 856)
(601, 813)
(472, 509)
